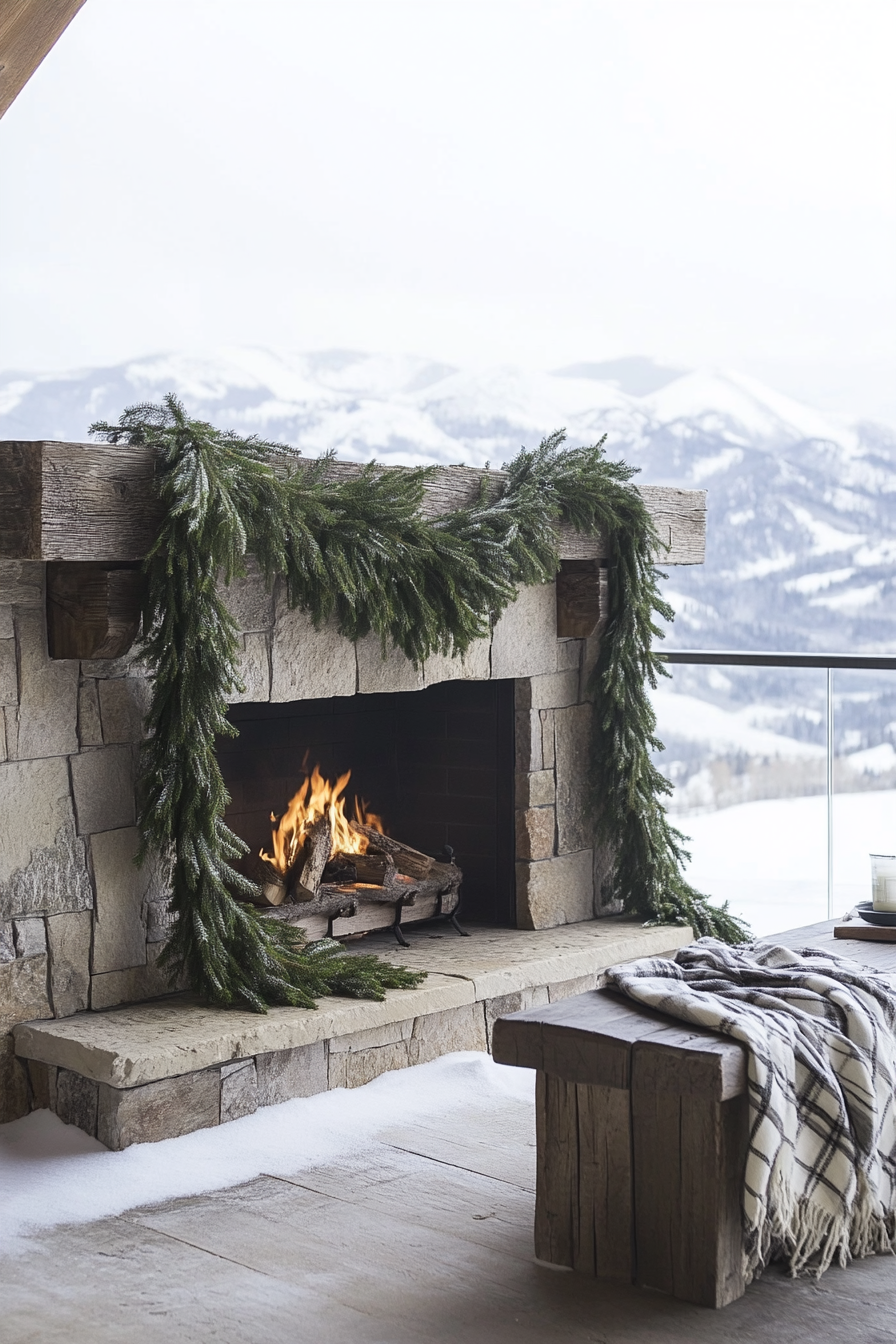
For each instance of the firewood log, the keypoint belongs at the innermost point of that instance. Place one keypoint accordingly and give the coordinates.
(315, 853)
(272, 885)
(407, 860)
(374, 868)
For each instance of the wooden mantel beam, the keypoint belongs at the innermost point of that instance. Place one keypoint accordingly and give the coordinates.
(96, 501)
(28, 30)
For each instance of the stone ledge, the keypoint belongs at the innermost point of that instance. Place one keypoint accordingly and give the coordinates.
(505, 961)
(142, 1043)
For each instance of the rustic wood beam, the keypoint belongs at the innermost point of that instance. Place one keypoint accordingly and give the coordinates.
(97, 501)
(28, 30)
(93, 608)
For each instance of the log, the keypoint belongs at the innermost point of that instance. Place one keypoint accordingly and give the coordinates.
(329, 903)
(97, 501)
(272, 888)
(407, 860)
(372, 868)
(93, 608)
(316, 852)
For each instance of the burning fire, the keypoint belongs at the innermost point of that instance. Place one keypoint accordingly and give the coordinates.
(317, 798)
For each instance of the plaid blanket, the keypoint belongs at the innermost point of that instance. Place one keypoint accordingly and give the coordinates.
(820, 1180)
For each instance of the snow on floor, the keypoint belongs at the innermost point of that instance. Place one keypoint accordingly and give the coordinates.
(769, 859)
(52, 1173)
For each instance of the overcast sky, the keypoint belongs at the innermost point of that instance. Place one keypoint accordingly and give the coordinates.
(710, 182)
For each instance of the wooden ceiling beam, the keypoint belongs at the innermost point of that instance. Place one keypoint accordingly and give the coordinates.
(28, 30)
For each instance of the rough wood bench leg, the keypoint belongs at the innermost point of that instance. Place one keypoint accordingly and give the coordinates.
(642, 1140)
(688, 1154)
(583, 1202)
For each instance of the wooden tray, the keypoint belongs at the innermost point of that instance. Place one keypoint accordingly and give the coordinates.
(866, 933)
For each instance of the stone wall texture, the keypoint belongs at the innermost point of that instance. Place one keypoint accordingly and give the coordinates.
(82, 927)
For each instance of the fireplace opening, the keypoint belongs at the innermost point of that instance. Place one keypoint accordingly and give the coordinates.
(435, 765)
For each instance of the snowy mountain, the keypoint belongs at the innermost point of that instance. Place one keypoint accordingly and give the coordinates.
(802, 508)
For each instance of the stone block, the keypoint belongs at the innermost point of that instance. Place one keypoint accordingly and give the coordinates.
(572, 737)
(239, 1090)
(475, 666)
(54, 880)
(249, 599)
(47, 720)
(7, 942)
(535, 828)
(119, 936)
(158, 919)
(555, 891)
(35, 801)
(528, 752)
(517, 1002)
(524, 640)
(15, 1092)
(7, 629)
(76, 1100)
(22, 583)
(161, 1110)
(580, 984)
(30, 937)
(395, 672)
(284, 1074)
(128, 665)
(254, 670)
(535, 789)
(42, 1082)
(4, 751)
(103, 785)
(149, 981)
(354, 1068)
(9, 673)
(307, 663)
(373, 1038)
(548, 756)
(69, 942)
(569, 654)
(452, 1029)
(555, 690)
(23, 991)
(124, 703)
(90, 729)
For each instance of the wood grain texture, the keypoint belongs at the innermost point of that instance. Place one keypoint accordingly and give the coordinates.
(688, 1155)
(20, 498)
(93, 608)
(578, 598)
(97, 502)
(29, 29)
(589, 1038)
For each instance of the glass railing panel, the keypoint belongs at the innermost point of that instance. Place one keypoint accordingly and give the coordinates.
(746, 753)
(864, 806)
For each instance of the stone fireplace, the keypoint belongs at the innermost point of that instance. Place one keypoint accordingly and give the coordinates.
(485, 755)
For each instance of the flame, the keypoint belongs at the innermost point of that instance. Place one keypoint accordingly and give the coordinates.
(318, 797)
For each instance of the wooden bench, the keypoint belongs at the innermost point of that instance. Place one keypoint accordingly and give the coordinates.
(642, 1134)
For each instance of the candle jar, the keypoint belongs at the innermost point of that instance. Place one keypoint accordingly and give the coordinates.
(883, 881)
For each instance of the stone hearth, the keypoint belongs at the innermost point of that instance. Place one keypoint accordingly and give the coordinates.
(156, 1070)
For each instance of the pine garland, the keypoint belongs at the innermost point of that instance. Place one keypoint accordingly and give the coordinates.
(361, 552)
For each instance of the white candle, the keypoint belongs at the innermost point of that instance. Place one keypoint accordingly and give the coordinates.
(883, 881)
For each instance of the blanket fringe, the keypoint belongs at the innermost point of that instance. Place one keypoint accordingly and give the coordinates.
(810, 1238)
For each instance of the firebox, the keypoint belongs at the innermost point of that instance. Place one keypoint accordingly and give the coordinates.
(435, 766)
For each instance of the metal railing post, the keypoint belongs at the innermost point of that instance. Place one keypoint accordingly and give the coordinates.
(830, 789)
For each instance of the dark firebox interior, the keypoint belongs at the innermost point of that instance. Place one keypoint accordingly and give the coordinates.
(437, 765)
